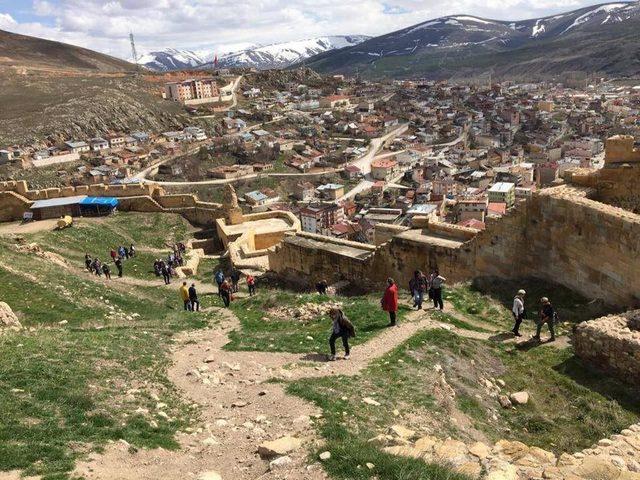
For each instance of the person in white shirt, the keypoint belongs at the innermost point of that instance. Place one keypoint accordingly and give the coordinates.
(518, 311)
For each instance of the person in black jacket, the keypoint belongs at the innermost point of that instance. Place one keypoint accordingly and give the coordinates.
(193, 298)
(341, 328)
(547, 315)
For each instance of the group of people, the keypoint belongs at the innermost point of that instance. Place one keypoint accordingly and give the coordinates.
(118, 255)
(547, 316)
(431, 284)
(167, 268)
(227, 286)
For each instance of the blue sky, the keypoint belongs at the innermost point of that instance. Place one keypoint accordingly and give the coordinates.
(225, 25)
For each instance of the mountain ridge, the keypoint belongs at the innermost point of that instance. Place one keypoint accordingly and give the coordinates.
(459, 45)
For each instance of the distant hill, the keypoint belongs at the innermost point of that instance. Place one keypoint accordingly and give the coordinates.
(24, 51)
(597, 39)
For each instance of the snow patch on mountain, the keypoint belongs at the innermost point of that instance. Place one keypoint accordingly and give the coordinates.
(611, 7)
(171, 59)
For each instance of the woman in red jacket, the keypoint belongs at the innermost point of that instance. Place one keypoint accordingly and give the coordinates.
(390, 301)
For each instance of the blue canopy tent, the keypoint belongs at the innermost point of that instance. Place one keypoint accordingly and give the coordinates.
(97, 206)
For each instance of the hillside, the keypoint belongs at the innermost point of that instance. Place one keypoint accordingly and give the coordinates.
(31, 52)
(463, 46)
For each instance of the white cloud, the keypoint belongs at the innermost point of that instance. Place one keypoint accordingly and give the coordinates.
(213, 25)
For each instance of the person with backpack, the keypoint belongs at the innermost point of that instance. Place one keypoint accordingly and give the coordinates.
(417, 287)
(225, 293)
(113, 254)
(251, 283)
(518, 312)
(341, 328)
(235, 278)
(193, 298)
(548, 316)
(107, 271)
(184, 294)
(219, 278)
(166, 273)
(389, 301)
(436, 286)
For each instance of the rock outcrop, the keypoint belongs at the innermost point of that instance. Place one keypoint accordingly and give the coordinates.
(7, 317)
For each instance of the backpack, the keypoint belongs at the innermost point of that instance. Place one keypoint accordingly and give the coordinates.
(346, 324)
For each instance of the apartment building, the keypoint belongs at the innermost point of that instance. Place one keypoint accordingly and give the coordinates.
(191, 90)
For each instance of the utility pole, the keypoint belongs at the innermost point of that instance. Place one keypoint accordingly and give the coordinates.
(133, 50)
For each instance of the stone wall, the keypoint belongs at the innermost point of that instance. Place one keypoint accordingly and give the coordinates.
(559, 234)
(611, 344)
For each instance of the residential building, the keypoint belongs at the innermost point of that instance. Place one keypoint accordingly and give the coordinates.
(117, 142)
(197, 133)
(334, 101)
(503, 192)
(77, 147)
(192, 91)
(331, 191)
(318, 218)
(383, 169)
(304, 191)
(98, 144)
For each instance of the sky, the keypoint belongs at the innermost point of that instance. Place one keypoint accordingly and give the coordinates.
(218, 26)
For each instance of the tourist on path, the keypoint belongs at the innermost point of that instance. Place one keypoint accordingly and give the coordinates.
(417, 287)
(219, 278)
(436, 286)
(225, 293)
(121, 251)
(235, 278)
(548, 316)
(389, 301)
(518, 312)
(132, 251)
(251, 283)
(87, 261)
(113, 254)
(106, 271)
(193, 298)
(166, 274)
(341, 328)
(184, 294)
(119, 266)
(97, 267)
(157, 268)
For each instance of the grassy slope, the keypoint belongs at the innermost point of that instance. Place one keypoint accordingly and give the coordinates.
(290, 335)
(67, 389)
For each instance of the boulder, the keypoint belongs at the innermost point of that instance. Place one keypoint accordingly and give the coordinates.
(426, 444)
(599, 467)
(504, 401)
(371, 401)
(480, 450)
(211, 475)
(519, 398)
(7, 317)
(402, 432)
(325, 456)
(279, 447)
(282, 462)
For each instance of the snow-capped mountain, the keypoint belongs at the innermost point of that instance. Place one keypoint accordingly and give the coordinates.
(595, 39)
(277, 55)
(281, 55)
(171, 59)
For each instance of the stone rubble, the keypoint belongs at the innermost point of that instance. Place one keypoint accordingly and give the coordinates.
(303, 313)
(615, 458)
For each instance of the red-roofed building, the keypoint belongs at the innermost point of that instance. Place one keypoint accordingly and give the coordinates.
(496, 209)
(383, 169)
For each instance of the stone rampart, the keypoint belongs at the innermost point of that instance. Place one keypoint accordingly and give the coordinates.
(611, 344)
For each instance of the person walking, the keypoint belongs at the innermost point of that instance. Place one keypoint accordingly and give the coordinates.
(548, 316)
(87, 261)
(184, 294)
(121, 251)
(389, 301)
(235, 278)
(107, 271)
(118, 263)
(166, 274)
(225, 293)
(436, 286)
(97, 267)
(341, 328)
(417, 287)
(193, 298)
(518, 312)
(251, 283)
(219, 278)
(113, 254)
(132, 251)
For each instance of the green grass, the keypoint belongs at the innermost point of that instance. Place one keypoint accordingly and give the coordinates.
(150, 233)
(570, 407)
(67, 389)
(264, 332)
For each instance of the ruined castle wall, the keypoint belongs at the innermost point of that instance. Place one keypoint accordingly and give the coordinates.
(611, 344)
(12, 206)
